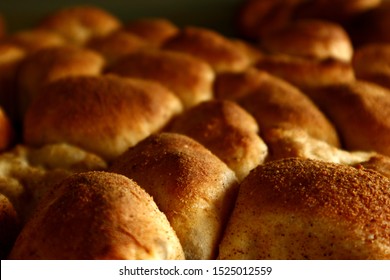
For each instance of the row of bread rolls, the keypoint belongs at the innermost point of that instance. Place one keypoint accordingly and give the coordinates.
(197, 124)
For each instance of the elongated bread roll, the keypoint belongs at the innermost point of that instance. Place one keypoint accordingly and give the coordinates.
(79, 24)
(227, 130)
(97, 215)
(194, 188)
(104, 115)
(275, 103)
(360, 111)
(306, 209)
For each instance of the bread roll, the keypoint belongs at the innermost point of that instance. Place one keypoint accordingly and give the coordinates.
(286, 143)
(156, 31)
(214, 48)
(97, 215)
(7, 132)
(227, 130)
(116, 45)
(371, 26)
(341, 11)
(9, 223)
(190, 78)
(275, 103)
(255, 18)
(78, 24)
(194, 188)
(306, 209)
(104, 115)
(10, 58)
(311, 38)
(359, 111)
(32, 40)
(371, 62)
(26, 174)
(307, 73)
(51, 64)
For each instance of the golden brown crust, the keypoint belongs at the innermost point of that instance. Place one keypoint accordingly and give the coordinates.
(360, 112)
(94, 113)
(156, 31)
(9, 223)
(194, 188)
(97, 215)
(51, 64)
(307, 73)
(371, 62)
(275, 103)
(117, 45)
(190, 78)
(227, 130)
(32, 40)
(256, 18)
(78, 24)
(305, 209)
(310, 38)
(211, 46)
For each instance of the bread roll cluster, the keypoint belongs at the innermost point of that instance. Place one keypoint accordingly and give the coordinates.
(143, 139)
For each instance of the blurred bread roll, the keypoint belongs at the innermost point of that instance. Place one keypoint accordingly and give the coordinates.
(32, 40)
(227, 130)
(192, 186)
(97, 215)
(213, 47)
(116, 45)
(310, 38)
(78, 24)
(359, 111)
(256, 18)
(10, 58)
(342, 11)
(371, 62)
(7, 131)
(155, 31)
(10, 227)
(190, 78)
(307, 73)
(104, 115)
(274, 102)
(51, 64)
(306, 209)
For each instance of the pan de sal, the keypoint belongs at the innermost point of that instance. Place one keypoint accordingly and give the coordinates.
(116, 45)
(213, 47)
(78, 24)
(359, 110)
(97, 215)
(194, 188)
(50, 64)
(274, 103)
(103, 114)
(9, 224)
(32, 40)
(190, 78)
(307, 209)
(227, 130)
(310, 38)
(306, 73)
(155, 31)
(371, 62)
